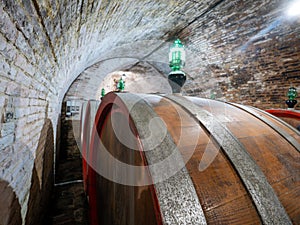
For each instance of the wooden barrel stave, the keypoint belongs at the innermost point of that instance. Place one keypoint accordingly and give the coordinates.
(137, 198)
(222, 193)
(88, 113)
(82, 119)
(288, 133)
(290, 128)
(117, 203)
(277, 158)
(291, 117)
(266, 202)
(172, 182)
(83, 142)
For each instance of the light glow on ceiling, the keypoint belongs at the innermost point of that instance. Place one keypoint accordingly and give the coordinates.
(294, 9)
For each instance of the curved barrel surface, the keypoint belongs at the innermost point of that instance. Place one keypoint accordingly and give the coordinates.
(291, 117)
(88, 112)
(184, 160)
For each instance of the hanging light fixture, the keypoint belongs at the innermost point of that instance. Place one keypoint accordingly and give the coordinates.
(102, 92)
(121, 84)
(177, 56)
(291, 94)
(176, 77)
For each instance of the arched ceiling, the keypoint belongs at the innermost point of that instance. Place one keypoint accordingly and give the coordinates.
(229, 43)
(245, 51)
(141, 77)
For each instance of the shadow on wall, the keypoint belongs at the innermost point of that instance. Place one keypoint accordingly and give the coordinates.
(42, 177)
(10, 210)
(58, 143)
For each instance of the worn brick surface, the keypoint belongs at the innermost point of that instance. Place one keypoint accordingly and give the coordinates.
(240, 51)
(246, 52)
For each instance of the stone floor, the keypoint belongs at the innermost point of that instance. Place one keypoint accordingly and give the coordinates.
(69, 205)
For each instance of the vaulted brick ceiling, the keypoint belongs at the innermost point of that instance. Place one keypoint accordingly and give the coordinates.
(229, 43)
(245, 51)
(241, 51)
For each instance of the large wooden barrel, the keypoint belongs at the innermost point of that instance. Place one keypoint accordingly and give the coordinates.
(291, 117)
(171, 159)
(87, 117)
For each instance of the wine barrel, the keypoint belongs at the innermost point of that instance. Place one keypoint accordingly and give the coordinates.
(291, 117)
(81, 124)
(169, 159)
(87, 116)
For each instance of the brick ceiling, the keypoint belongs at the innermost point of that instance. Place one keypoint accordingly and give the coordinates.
(228, 43)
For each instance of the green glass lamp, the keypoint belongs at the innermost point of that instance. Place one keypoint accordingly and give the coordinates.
(102, 92)
(121, 85)
(291, 94)
(176, 77)
(176, 56)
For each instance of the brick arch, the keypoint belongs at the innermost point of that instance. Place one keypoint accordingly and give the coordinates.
(45, 45)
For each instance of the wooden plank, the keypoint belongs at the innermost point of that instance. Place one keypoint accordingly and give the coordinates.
(267, 203)
(222, 195)
(275, 127)
(118, 203)
(281, 165)
(176, 195)
(276, 157)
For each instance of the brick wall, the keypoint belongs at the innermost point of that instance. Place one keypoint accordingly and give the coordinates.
(45, 45)
(40, 55)
(245, 52)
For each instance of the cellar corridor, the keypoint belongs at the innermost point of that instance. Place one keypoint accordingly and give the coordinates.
(69, 202)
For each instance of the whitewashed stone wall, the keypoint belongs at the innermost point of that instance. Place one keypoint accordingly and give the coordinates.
(45, 45)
